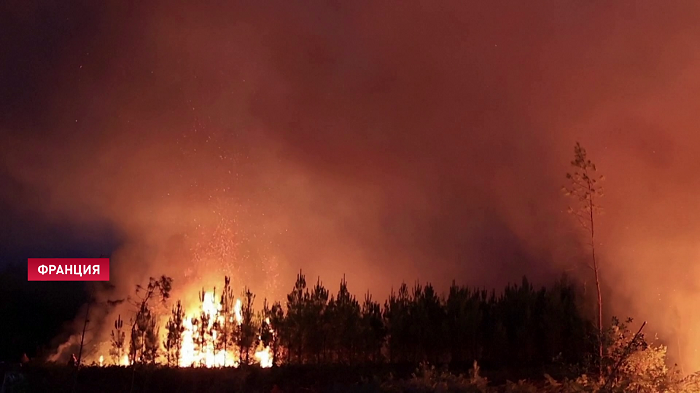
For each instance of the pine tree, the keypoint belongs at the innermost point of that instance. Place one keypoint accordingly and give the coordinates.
(156, 289)
(417, 325)
(347, 323)
(464, 319)
(248, 328)
(226, 324)
(430, 318)
(584, 188)
(173, 341)
(202, 329)
(265, 333)
(118, 340)
(294, 321)
(279, 327)
(373, 331)
(139, 329)
(396, 317)
(315, 321)
(151, 343)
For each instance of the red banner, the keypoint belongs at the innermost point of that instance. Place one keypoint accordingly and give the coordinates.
(68, 269)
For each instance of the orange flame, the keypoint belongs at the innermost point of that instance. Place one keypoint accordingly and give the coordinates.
(208, 355)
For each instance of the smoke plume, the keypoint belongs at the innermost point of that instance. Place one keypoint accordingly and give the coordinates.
(384, 142)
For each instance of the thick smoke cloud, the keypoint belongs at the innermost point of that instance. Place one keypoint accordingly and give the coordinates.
(379, 141)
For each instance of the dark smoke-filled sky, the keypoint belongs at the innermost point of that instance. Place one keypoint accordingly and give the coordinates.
(384, 141)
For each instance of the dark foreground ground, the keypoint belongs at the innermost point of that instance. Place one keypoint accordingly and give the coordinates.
(307, 378)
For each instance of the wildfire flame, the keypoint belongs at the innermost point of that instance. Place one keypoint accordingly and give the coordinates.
(264, 355)
(209, 312)
(207, 356)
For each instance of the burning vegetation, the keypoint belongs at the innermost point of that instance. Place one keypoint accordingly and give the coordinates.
(219, 331)
(522, 329)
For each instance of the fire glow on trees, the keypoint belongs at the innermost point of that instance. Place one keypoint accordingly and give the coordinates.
(218, 331)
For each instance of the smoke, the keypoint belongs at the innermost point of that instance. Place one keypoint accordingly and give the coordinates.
(385, 143)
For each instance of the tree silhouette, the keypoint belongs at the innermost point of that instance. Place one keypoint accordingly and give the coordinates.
(226, 325)
(565, 330)
(118, 341)
(431, 317)
(158, 289)
(396, 317)
(584, 189)
(294, 337)
(373, 330)
(173, 341)
(141, 325)
(346, 324)
(266, 334)
(518, 306)
(151, 343)
(277, 322)
(463, 319)
(202, 329)
(248, 329)
(316, 319)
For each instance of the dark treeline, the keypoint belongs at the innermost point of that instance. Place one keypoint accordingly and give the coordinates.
(518, 327)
